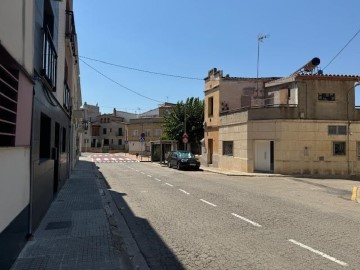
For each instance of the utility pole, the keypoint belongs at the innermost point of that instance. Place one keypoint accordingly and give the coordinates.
(260, 38)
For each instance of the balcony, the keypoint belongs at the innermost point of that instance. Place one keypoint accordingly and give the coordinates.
(49, 65)
(70, 32)
(67, 98)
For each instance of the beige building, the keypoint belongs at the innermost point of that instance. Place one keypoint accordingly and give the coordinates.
(303, 124)
(103, 132)
(145, 128)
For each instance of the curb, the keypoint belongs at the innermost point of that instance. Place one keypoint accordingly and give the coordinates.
(355, 194)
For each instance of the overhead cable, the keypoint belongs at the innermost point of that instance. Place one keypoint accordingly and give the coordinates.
(142, 70)
(123, 86)
(342, 49)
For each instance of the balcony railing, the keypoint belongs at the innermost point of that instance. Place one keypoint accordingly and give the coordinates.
(70, 31)
(49, 59)
(67, 98)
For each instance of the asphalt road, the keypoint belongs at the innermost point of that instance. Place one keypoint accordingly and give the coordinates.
(202, 220)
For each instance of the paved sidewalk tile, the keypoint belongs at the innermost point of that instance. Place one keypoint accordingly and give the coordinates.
(75, 233)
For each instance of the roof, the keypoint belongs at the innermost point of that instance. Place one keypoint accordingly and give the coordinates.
(330, 77)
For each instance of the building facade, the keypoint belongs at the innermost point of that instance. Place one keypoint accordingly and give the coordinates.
(145, 128)
(305, 124)
(39, 77)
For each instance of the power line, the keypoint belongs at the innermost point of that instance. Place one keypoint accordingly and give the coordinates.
(142, 70)
(127, 88)
(342, 49)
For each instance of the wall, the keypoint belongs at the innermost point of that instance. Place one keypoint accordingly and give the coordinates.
(18, 39)
(15, 184)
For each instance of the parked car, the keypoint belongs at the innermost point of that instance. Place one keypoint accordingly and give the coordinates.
(182, 159)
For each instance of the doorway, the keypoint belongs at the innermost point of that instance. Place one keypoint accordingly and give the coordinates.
(264, 156)
(210, 151)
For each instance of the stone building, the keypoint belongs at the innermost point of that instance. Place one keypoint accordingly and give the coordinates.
(306, 123)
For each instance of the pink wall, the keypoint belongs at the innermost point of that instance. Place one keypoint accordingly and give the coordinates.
(24, 110)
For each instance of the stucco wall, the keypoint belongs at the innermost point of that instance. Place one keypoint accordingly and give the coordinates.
(18, 30)
(14, 183)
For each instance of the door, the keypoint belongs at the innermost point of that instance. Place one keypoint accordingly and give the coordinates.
(264, 155)
(210, 151)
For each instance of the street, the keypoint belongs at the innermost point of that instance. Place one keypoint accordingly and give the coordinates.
(203, 220)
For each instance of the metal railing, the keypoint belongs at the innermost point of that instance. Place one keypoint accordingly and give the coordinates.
(49, 65)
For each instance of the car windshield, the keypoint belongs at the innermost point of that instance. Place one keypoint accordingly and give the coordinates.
(185, 155)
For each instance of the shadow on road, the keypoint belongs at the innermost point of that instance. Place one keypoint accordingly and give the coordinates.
(155, 251)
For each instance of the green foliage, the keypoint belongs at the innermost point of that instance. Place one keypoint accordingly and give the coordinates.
(193, 112)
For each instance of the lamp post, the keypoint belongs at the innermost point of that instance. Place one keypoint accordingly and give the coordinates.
(260, 38)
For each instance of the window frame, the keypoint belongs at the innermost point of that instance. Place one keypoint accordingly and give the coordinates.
(337, 153)
(227, 144)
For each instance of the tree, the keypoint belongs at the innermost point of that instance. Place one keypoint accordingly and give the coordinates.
(186, 117)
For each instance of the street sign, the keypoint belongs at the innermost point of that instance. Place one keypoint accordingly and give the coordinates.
(185, 138)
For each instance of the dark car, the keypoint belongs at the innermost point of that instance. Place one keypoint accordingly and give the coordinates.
(182, 159)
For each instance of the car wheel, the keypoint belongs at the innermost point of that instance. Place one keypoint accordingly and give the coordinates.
(169, 164)
(178, 166)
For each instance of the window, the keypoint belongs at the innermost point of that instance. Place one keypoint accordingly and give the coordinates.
(228, 148)
(158, 132)
(210, 106)
(104, 130)
(95, 130)
(120, 142)
(337, 130)
(326, 96)
(120, 133)
(147, 133)
(67, 99)
(9, 80)
(106, 142)
(135, 133)
(339, 148)
(110, 130)
(45, 136)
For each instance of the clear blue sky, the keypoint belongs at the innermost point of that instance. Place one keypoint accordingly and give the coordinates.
(189, 37)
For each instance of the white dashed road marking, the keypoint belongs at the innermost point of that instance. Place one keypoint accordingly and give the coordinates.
(157, 179)
(247, 220)
(187, 193)
(209, 203)
(169, 184)
(318, 252)
(149, 175)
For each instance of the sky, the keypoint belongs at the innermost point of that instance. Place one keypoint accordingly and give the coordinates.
(185, 39)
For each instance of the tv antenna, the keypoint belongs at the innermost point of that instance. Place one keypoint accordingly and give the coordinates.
(260, 38)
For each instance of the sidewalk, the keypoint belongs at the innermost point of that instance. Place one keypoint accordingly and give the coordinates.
(82, 229)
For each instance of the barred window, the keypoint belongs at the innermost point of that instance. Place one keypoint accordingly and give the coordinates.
(339, 148)
(337, 130)
(228, 148)
(326, 96)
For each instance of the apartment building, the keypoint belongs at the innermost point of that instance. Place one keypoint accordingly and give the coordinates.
(306, 123)
(39, 78)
